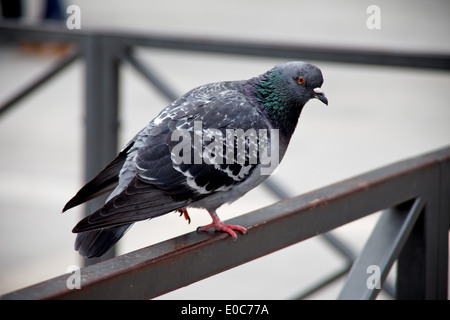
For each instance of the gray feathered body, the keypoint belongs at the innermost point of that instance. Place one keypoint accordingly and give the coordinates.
(147, 178)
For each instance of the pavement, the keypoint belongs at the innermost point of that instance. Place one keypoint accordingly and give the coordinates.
(376, 116)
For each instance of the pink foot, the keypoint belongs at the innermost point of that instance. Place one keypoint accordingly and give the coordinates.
(220, 226)
(184, 212)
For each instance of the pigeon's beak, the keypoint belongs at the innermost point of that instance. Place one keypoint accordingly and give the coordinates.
(320, 95)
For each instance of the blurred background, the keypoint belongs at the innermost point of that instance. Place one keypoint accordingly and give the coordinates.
(376, 116)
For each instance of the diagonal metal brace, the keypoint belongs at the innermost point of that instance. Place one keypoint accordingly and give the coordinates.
(383, 247)
(149, 74)
(40, 80)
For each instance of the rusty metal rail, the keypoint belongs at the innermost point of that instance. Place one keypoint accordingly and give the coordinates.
(418, 189)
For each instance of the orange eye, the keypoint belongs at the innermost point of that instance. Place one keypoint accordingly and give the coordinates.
(301, 80)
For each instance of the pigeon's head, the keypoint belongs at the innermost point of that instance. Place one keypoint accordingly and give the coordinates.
(285, 89)
(299, 81)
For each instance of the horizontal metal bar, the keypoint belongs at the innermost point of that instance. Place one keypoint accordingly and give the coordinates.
(386, 57)
(53, 32)
(334, 241)
(380, 251)
(175, 263)
(40, 80)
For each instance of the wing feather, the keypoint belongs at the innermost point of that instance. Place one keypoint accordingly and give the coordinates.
(102, 183)
(139, 201)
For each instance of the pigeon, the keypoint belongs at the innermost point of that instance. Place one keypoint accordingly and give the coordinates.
(207, 148)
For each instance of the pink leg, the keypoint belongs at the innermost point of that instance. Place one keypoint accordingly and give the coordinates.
(220, 226)
(184, 212)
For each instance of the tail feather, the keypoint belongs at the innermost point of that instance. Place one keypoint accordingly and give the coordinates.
(96, 243)
(104, 182)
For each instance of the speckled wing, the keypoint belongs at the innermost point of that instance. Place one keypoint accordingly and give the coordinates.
(210, 116)
(162, 182)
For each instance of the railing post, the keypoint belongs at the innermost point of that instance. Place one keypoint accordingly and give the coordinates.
(423, 264)
(444, 225)
(410, 282)
(101, 111)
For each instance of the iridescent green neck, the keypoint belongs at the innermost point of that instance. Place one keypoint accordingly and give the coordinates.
(277, 101)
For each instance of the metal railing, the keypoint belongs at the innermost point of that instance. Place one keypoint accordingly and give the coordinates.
(408, 221)
(414, 232)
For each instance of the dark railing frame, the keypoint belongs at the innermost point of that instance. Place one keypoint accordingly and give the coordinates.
(415, 230)
(409, 221)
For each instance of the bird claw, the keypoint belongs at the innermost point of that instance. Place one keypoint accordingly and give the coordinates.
(228, 228)
(220, 226)
(184, 212)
